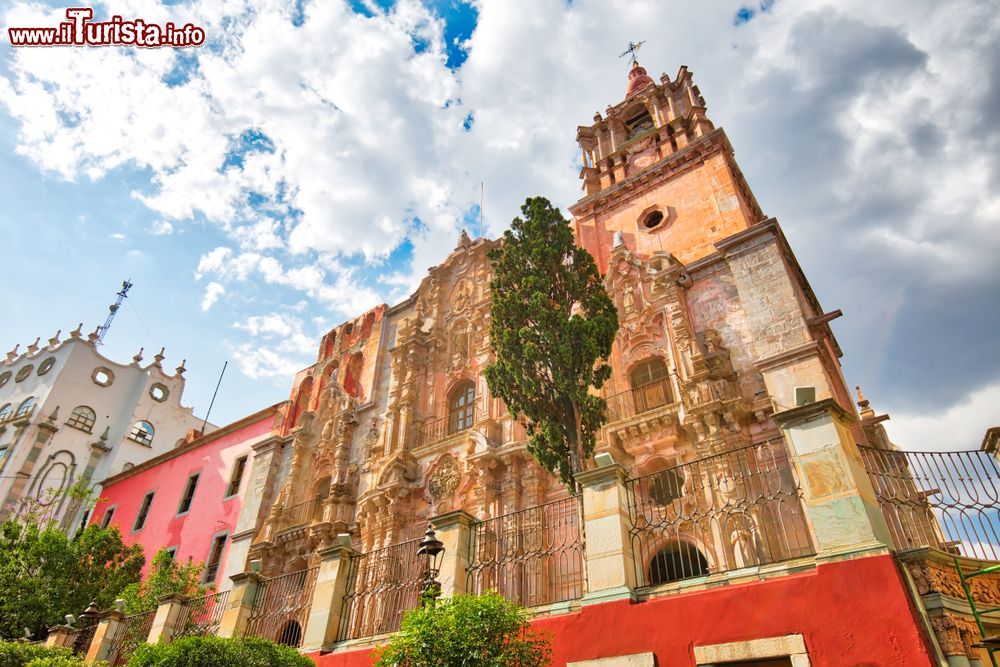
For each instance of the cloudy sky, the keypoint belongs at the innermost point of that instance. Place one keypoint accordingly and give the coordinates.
(314, 158)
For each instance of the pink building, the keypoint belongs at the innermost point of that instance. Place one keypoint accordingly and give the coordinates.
(188, 500)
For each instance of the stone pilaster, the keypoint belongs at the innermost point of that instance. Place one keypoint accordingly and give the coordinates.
(454, 531)
(240, 604)
(608, 551)
(104, 636)
(42, 435)
(323, 624)
(838, 494)
(62, 636)
(168, 615)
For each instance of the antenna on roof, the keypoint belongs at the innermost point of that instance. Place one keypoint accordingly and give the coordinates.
(122, 295)
(482, 188)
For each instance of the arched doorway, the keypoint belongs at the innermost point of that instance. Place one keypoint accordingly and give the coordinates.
(677, 561)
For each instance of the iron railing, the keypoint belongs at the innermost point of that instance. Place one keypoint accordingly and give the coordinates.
(299, 514)
(281, 607)
(533, 557)
(734, 510)
(382, 586)
(85, 635)
(434, 430)
(639, 400)
(131, 631)
(946, 500)
(201, 616)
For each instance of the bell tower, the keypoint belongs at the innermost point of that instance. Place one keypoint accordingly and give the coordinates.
(657, 170)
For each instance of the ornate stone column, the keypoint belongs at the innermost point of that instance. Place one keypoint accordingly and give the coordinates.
(454, 529)
(608, 552)
(332, 580)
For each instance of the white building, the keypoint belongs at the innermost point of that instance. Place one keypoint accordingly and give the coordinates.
(67, 414)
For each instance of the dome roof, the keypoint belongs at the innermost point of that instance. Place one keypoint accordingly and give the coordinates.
(637, 79)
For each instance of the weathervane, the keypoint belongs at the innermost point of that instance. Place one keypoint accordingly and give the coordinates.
(632, 49)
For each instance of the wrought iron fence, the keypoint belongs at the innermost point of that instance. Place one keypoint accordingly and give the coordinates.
(638, 400)
(281, 607)
(438, 429)
(88, 621)
(947, 500)
(300, 513)
(533, 557)
(739, 509)
(201, 616)
(382, 586)
(131, 631)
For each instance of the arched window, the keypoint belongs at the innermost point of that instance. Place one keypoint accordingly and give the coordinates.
(5, 412)
(82, 418)
(461, 407)
(142, 432)
(639, 123)
(650, 384)
(26, 407)
(680, 560)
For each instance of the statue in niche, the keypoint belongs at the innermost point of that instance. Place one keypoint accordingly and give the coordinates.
(628, 300)
(461, 295)
(459, 345)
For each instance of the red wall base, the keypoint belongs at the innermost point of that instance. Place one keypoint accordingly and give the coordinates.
(852, 614)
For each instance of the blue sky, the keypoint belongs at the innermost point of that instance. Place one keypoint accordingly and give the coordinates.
(313, 159)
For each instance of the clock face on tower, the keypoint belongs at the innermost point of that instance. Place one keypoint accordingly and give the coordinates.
(642, 154)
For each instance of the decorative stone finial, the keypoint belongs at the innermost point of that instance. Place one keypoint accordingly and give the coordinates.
(94, 335)
(106, 434)
(180, 369)
(34, 346)
(464, 240)
(13, 353)
(55, 339)
(54, 416)
(618, 240)
(75, 333)
(158, 359)
(637, 79)
(138, 357)
(863, 403)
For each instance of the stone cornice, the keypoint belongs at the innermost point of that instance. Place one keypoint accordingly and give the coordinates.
(811, 411)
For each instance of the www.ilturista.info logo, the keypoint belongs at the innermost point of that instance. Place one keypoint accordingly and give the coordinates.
(79, 30)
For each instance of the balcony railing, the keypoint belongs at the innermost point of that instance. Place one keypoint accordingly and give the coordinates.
(946, 500)
(129, 633)
(281, 607)
(638, 400)
(382, 586)
(532, 557)
(299, 514)
(433, 430)
(730, 511)
(201, 616)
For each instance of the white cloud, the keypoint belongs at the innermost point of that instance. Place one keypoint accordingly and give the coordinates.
(118, 236)
(282, 347)
(161, 228)
(959, 427)
(212, 293)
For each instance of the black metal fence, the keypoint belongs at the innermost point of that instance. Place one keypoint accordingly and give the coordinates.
(382, 586)
(281, 607)
(87, 628)
(131, 631)
(739, 509)
(533, 557)
(947, 500)
(201, 616)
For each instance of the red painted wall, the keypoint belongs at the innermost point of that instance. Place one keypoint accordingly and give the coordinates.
(209, 515)
(852, 614)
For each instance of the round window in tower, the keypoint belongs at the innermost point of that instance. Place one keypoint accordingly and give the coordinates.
(159, 392)
(4, 378)
(652, 220)
(23, 372)
(102, 376)
(46, 365)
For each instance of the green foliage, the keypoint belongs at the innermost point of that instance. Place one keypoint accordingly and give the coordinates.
(477, 631)
(64, 661)
(552, 328)
(213, 651)
(20, 654)
(45, 575)
(166, 577)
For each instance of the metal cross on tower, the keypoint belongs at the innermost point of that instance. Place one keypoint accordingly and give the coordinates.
(122, 295)
(633, 48)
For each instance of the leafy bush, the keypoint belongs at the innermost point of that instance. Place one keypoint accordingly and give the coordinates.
(217, 652)
(166, 577)
(19, 654)
(64, 661)
(484, 630)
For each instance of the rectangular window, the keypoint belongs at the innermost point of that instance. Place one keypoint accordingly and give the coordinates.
(140, 518)
(106, 519)
(234, 482)
(172, 551)
(214, 559)
(188, 493)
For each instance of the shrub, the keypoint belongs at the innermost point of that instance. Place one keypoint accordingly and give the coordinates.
(64, 661)
(217, 652)
(19, 654)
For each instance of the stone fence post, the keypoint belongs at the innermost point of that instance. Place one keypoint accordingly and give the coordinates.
(104, 636)
(454, 531)
(332, 580)
(608, 549)
(239, 606)
(166, 620)
(63, 636)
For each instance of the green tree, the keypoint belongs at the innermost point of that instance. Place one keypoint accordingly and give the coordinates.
(166, 577)
(552, 328)
(214, 651)
(45, 575)
(476, 631)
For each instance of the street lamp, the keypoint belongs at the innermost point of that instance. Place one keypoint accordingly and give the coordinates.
(431, 548)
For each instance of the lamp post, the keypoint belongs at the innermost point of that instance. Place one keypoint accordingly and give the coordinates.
(431, 549)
